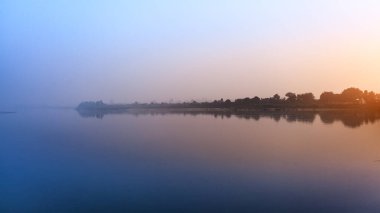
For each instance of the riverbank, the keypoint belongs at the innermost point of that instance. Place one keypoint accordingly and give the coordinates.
(232, 109)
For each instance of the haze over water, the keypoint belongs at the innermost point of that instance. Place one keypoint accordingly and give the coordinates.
(189, 106)
(60, 53)
(59, 161)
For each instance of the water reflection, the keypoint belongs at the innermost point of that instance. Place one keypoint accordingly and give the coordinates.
(350, 118)
(55, 161)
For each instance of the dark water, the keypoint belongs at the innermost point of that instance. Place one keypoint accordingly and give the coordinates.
(62, 161)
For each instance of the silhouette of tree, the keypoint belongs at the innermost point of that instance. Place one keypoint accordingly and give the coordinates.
(352, 94)
(306, 98)
(276, 97)
(347, 98)
(291, 97)
(327, 97)
(369, 97)
(246, 101)
(242, 102)
(255, 100)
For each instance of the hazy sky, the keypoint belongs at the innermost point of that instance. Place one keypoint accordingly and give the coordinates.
(61, 52)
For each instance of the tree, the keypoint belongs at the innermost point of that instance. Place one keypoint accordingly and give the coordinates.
(352, 94)
(276, 97)
(244, 101)
(327, 97)
(255, 100)
(306, 98)
(291, 97)
(369, 97)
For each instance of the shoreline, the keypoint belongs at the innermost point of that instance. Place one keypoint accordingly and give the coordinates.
(225, 109)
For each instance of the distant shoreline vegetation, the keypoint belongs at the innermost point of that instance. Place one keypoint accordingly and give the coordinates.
(351, 98)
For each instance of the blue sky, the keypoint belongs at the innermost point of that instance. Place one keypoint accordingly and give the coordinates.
(63, 52)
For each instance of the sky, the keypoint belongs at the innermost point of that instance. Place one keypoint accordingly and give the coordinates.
(62, 52)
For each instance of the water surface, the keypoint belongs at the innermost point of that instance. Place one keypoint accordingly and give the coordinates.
(64, 161)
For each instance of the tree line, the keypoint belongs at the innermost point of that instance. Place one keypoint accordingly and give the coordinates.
(349, 97)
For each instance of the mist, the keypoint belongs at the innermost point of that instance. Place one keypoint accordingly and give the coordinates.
(63, 52)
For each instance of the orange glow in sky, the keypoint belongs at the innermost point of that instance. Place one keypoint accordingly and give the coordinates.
(171, 50)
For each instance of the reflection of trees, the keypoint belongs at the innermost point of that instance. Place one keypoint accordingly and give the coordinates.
(248, 115)
(91, 113)
(99, 113)
(349, 117)
(303, 116)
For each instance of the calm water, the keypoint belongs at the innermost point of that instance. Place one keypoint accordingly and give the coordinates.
(63, 161)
